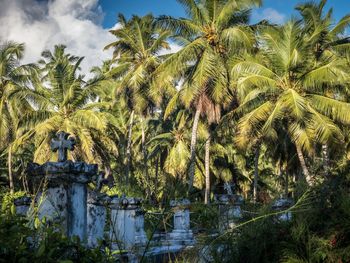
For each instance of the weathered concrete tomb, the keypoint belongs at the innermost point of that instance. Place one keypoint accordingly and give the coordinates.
(66, 201)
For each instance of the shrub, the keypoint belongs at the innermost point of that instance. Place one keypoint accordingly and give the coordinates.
(21, 243)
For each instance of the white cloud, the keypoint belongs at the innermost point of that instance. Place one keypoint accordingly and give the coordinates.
(42, 24)
(269, 14)
(173, 49)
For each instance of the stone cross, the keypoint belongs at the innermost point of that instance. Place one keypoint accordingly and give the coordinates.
(62, 144)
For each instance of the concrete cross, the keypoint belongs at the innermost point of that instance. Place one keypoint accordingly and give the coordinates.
(62, 144)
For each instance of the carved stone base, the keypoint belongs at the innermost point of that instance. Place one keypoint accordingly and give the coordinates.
(141, 238)
(181, 237)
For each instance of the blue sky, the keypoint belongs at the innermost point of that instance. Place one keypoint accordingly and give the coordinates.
(277, 9)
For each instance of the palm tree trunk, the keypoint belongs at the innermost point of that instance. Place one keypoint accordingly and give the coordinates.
(193, 149)
(303, 165)
(144, 152)
(24, 179)
(108, 175)
(156, 181)
(9, 163)
(294, 180)
(207, 171)
(286, 185)
(284, 178)
(285, 170)
(325, 155)
(128, 149)
(256, 172)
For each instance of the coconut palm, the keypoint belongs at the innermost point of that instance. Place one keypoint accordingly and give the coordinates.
(170, 149)
(213, 32)
(321, 32)
(172, 144)
(176, 144)
(66, 102)
(13, 77)
(284, 86)
(137, 55)
(325, 36)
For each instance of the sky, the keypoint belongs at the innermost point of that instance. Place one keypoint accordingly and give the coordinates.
(276, 10)
(83, 25)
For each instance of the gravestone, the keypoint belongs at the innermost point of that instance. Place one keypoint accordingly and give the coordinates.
(230, 211)
(64, 199)
(283, 204)
(22, 205)
(127, 223)
(181, 234)
(96, 217)
(236, 208)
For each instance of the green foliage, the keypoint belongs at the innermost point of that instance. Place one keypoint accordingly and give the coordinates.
(123, 190)
(318, 232)
(19, 243)
(204, 217)
(7, 202)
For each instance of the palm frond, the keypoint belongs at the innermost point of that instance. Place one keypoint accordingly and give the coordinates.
(334, 109)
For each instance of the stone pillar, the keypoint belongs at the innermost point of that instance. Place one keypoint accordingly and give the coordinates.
(282, 204)
(96, 217)
(22, 205)
(78, 210)
(236, 208)
(64, 199)
(181, 234)
(229, 211)
(114, 206)
(127, 223)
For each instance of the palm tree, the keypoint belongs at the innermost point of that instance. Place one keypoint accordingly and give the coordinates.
(66, 102)
(175, 143)
(214, 32)
(13, 77)
(137, 55)
(105, 90)
(172, 144)
(170, 150)
(282, 86)
(325, 36)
